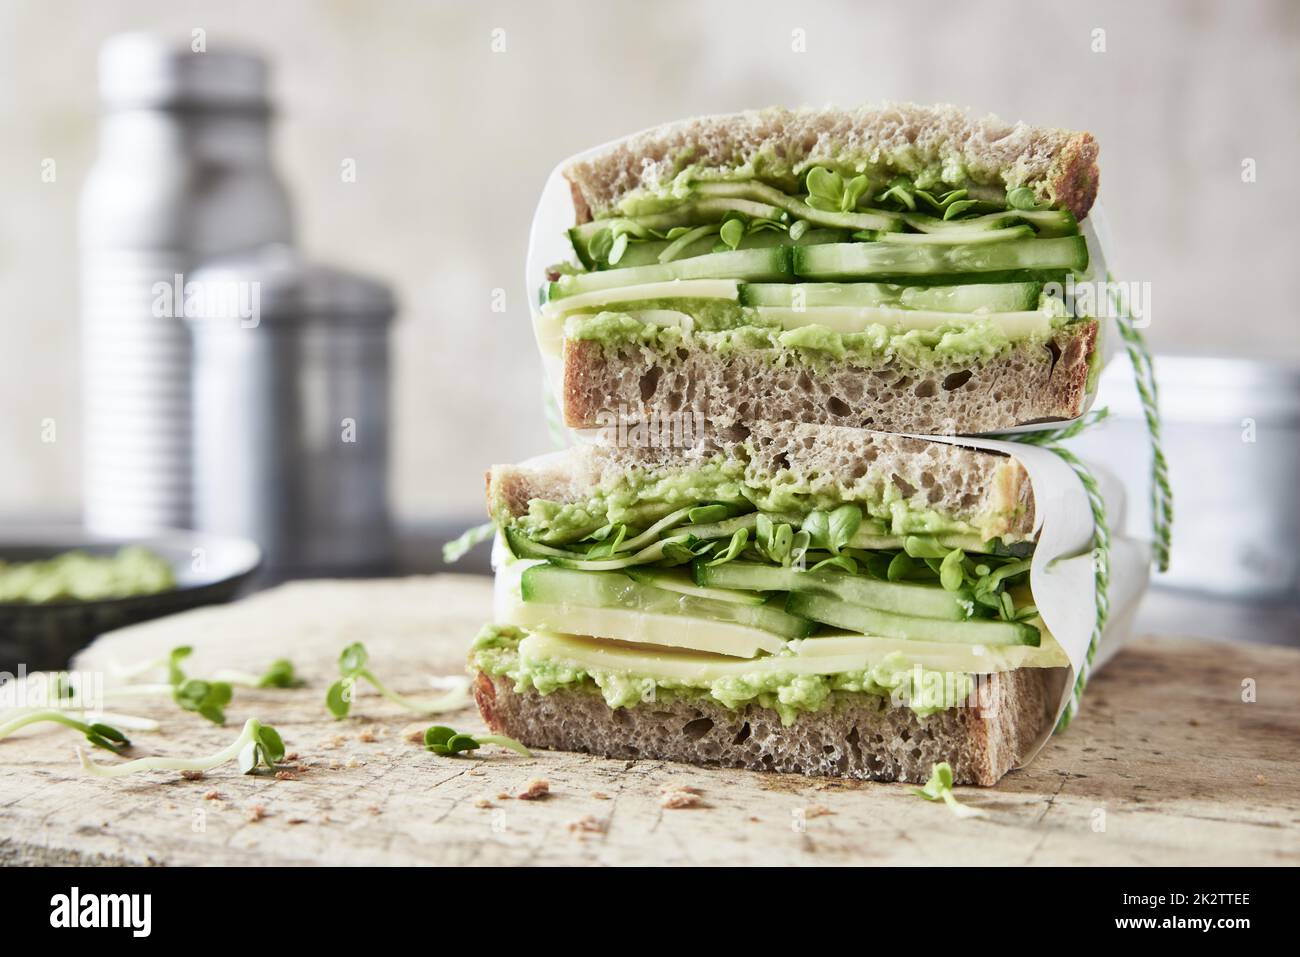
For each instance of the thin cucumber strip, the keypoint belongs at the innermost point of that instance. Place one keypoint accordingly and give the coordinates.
(645, 556)
(861, 219)
(846, 260)
(1048, 222)
(673, 580)
(974, 237)
(640, 541)
(870, 621)
(673, 289)
(747, 264)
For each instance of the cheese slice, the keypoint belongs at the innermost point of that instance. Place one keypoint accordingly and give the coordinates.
(674, 289)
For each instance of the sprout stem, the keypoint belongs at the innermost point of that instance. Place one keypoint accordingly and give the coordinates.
(247, 736)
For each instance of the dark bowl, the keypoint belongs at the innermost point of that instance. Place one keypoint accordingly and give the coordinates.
(43, 637)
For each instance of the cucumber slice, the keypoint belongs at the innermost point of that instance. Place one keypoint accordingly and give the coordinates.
(752, 264)
(971, 297)
(922, 601)
(870, 621)
(675, 289)
(647, 253)
(845, 260)
(850, 319)
(549, 585)
(1048, 222)
(523, 547)
(975, 237)
(761, 192)
(674, 580)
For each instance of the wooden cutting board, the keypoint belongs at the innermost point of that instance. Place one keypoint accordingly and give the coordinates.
(1166, 765)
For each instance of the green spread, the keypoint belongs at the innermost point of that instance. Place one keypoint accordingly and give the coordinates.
(496, 652)
(78, 576)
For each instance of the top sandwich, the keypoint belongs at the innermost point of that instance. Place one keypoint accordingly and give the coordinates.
(895, 268)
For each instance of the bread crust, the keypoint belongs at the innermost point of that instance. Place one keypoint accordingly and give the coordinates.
(1028, 384)
(1060, 166)
(859, 736)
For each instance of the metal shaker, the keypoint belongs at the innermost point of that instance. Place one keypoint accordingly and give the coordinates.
(291, 412)
(183, 173)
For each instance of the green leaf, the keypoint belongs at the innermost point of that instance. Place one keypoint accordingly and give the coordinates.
(824, 189)
(900, 191)
(617, 248)
(437, 735)
(249, 756)
(940, 782)
(733, 231)
(339, 698)
(900, 567)
(460, 743)
(951, 573)
(600, 245)
(455, 549)
(838, 561)
(352, 659)
(734, 548)
(1022, 197)
(959, 207)
(610, 544)
(280, 675)
(272, 747)
(818, 526)
(853, 191)
(924, 546)
(706, 514)
(206, 698)
(842, 525)
(107, 737)
(174, 673)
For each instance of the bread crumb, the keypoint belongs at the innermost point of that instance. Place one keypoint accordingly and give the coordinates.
(600, 796)
(285, 776)
(677, 800)
(324, 819)
(755, 820)
(354, 763)
(337, 741)
(414, 733)
(291, 757)
(297, 820)
(535, 789)
(503, 796)
(255, 813)
(587, 824)
(815, 810)
(476, 772)
(1260, 779)
(192, 775)
(373, 809)
(483, 802)
(214, 796)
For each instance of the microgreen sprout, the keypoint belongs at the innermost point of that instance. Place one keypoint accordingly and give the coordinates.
(939, 788)
(454, 550)
(100, 735)
(258, 744)
(449, 743)
(353, 666)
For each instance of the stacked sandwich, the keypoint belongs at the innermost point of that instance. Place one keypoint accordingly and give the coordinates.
(758, 561)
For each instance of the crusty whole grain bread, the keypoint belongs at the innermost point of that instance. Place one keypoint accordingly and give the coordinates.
(961, 482)
(1060, 166)
(860, 736)
(1029, 383)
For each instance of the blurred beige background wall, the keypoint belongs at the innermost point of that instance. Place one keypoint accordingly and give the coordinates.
(452, 143)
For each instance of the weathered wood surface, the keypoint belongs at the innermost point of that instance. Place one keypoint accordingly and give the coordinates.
(1166, 765)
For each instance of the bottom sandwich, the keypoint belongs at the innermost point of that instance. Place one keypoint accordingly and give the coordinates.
(808, 599)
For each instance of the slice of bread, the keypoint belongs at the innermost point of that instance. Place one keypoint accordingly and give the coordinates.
(1060, 166)
(1028, 383)
(859, 736)
(983, 487)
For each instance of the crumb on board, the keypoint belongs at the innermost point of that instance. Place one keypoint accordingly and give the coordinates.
(368, 736)
(286, 775)
(587, 824)
(680, 798)
(214, 795)
(192, 775)
(297, 820)
(601, 796)
(337, 741)
(291, 757)
(815, 810)
(1260, 779)
(535, 789)
(476, 772)
(372, 809)
(255, 813)
(483, 802)
(680, 789)
(414, 733)
(354, 763)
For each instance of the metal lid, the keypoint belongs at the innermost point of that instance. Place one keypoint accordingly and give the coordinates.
(143, 69)
(285, 287)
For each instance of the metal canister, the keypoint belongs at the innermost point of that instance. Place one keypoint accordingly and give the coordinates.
(291, 409)
(183, 173)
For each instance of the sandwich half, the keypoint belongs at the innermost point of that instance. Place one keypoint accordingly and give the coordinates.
(799, 598)
(902, 269)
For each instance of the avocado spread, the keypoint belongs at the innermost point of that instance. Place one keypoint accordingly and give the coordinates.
(966, 339)
(78, 576)
(496, 652)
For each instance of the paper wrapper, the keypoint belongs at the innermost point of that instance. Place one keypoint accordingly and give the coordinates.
(548, 243)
